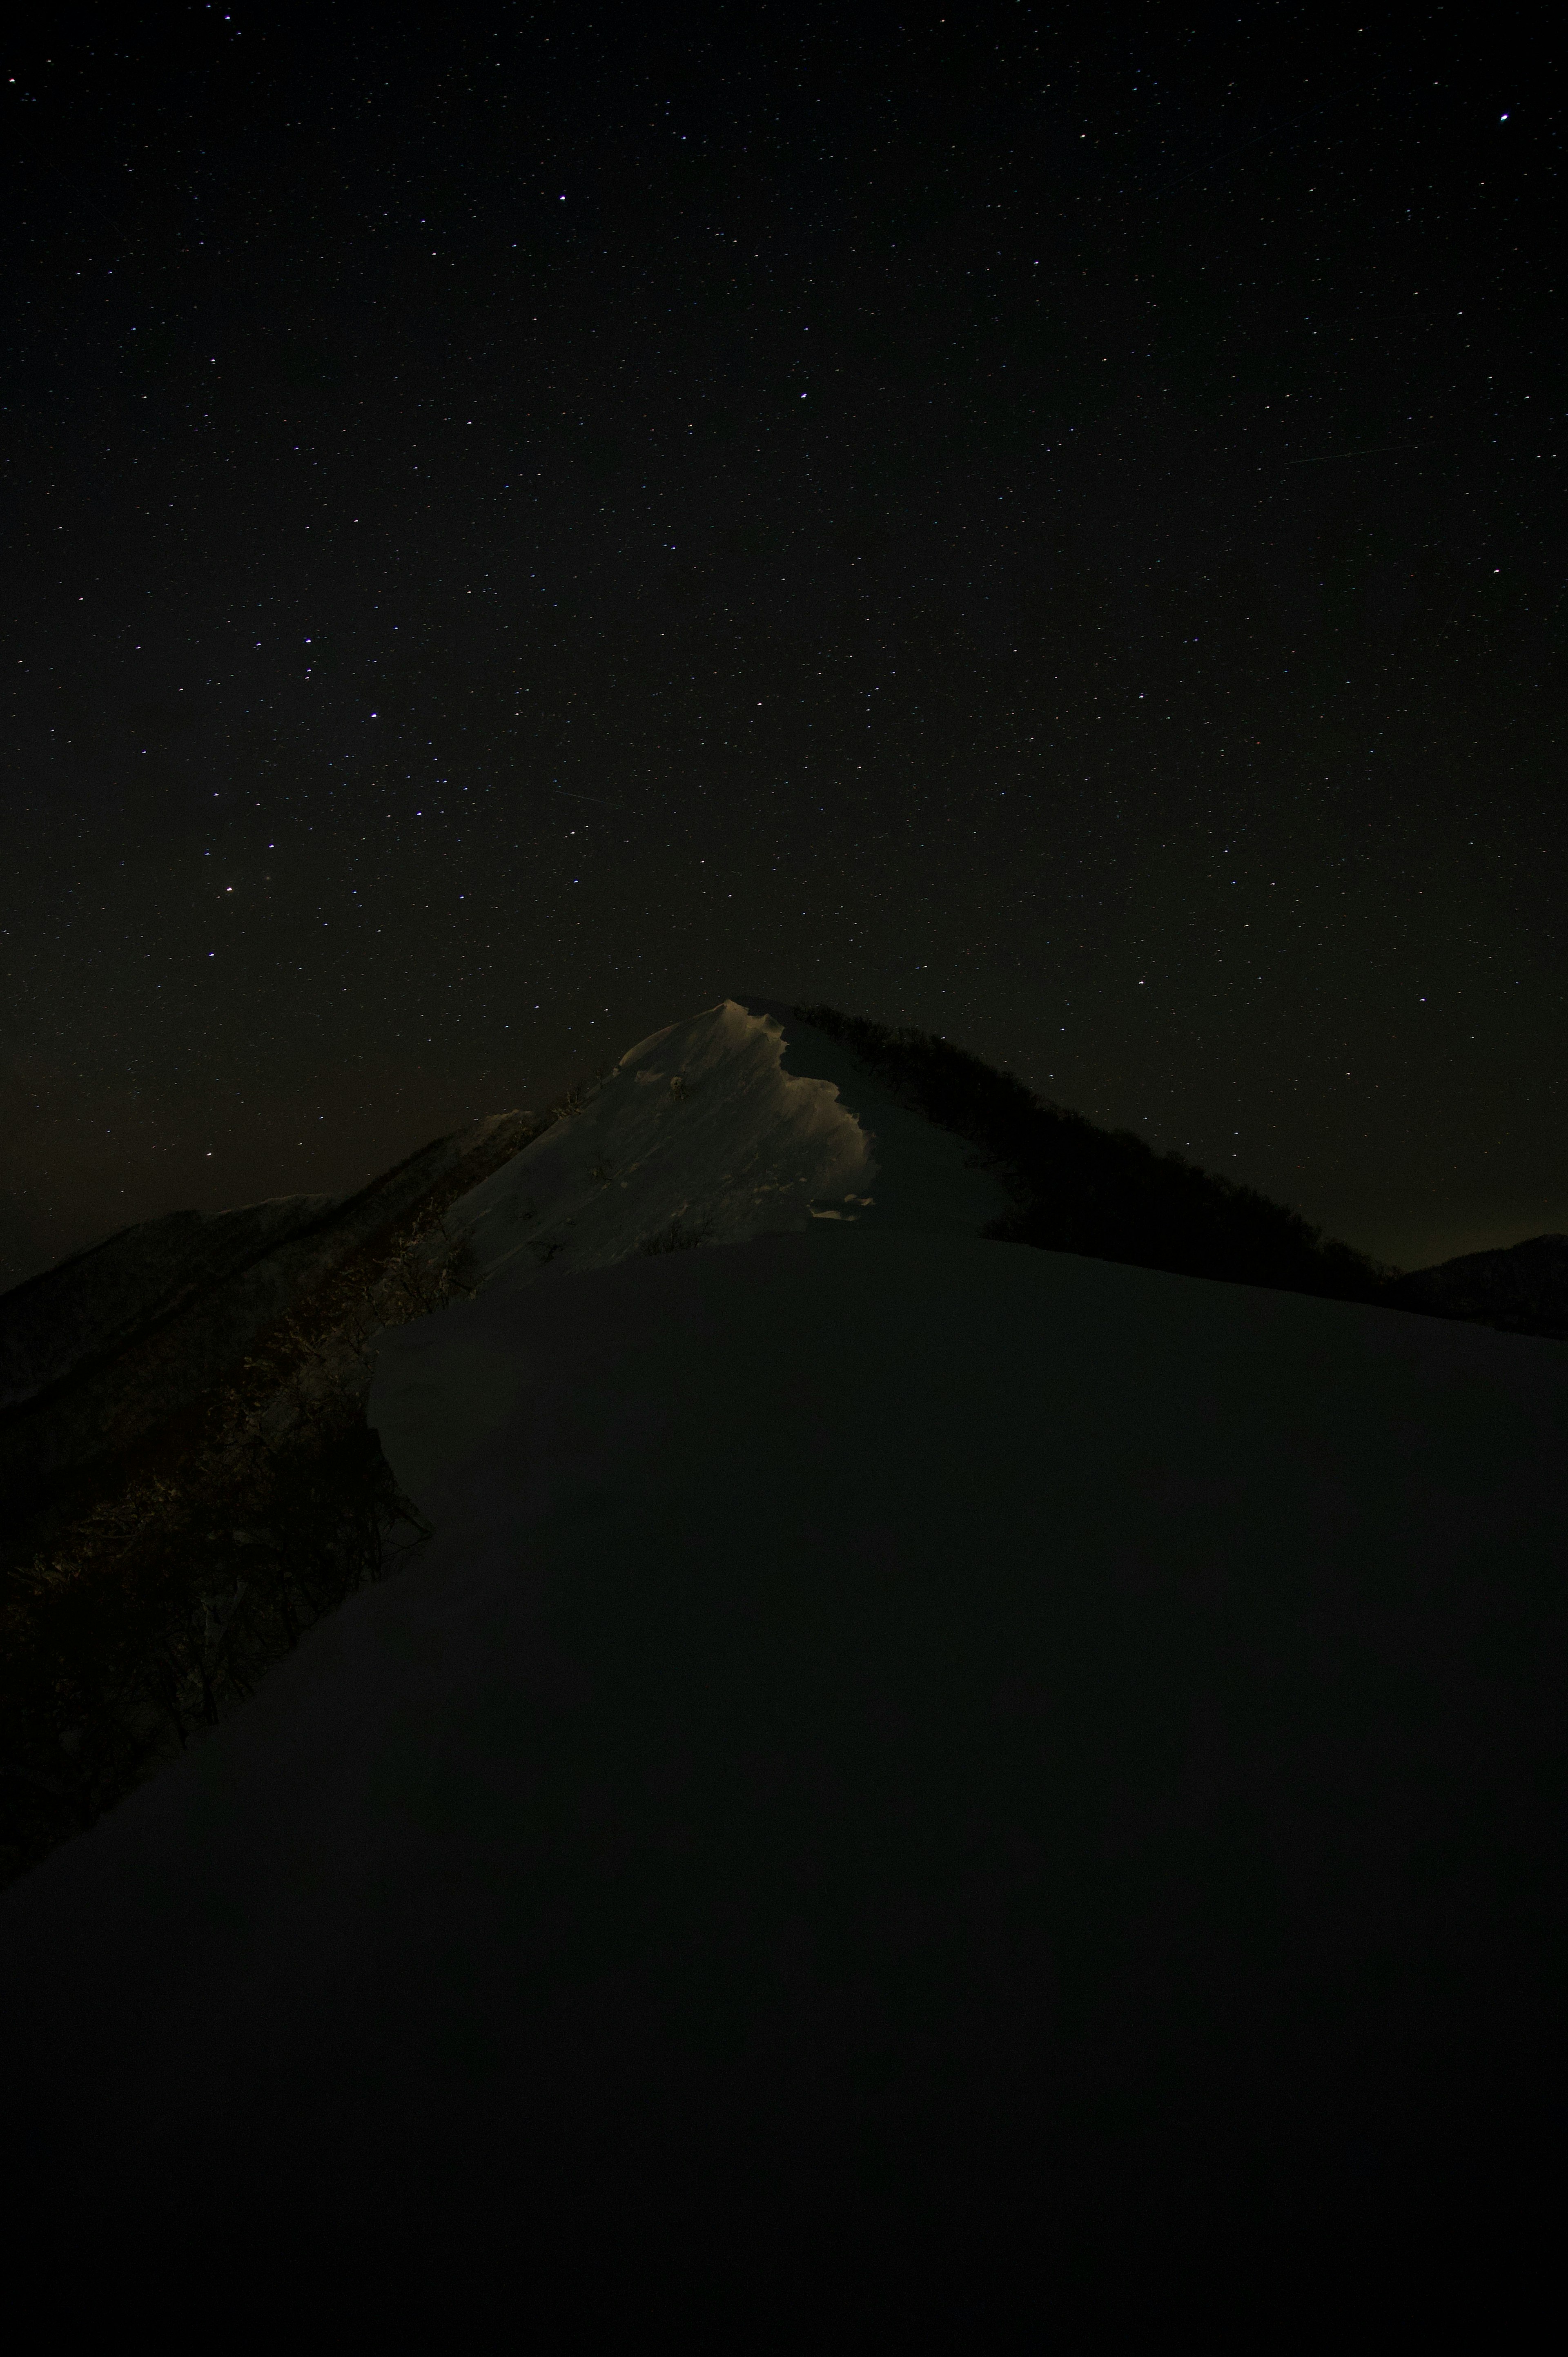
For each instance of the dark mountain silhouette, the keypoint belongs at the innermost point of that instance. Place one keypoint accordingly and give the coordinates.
(1522, 1289)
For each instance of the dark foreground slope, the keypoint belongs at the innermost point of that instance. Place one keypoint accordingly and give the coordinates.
(919, 1789)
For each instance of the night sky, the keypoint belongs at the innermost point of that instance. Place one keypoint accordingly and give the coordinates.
(519, 525)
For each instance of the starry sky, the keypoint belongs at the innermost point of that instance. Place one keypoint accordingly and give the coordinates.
(520, 524)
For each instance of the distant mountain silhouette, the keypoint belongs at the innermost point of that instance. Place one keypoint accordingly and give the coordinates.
(1521, 1290)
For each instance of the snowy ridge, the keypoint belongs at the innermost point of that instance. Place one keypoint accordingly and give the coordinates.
(698, 1127)
(887, 1725)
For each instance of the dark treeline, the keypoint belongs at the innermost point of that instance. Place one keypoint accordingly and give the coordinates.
(1103, 1192)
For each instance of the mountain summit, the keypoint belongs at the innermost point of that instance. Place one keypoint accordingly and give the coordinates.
(702, 1133)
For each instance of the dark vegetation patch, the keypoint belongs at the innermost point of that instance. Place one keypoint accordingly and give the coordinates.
(202, 1557)
(679, 1236)
(1103, 1192)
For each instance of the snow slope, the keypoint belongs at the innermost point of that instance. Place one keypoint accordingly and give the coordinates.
(701, 1128)
(917, 1781)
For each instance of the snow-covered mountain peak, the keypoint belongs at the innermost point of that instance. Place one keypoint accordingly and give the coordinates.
(698, 1133)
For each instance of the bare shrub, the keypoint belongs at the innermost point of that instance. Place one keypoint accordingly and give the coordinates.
(678, 1237)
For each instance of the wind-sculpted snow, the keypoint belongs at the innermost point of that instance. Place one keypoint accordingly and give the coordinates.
(698, 1136)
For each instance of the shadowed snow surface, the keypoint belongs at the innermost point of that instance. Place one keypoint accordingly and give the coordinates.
(914, 1774)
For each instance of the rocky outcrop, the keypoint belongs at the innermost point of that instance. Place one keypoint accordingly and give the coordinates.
(102, 1352)
(1521, 1290)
